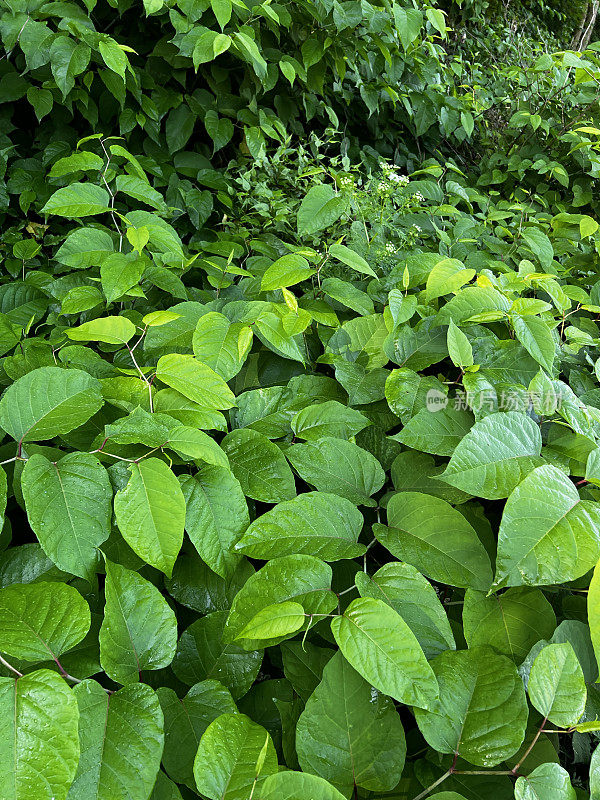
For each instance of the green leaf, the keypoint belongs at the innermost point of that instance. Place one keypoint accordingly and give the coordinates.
(141, 190)
(74, 163)
(546, 782)
(68, 505)
(113, 56)
(302, 579)
(197, 445)
(195, 380)
(536, 337)
(216, 516)
(112, 330)
(40, 621)
(436, 429)
(121, 740)
(186, 719)
(405, 590)
(328, 419)
(119, 273)
(428, 533)
(483, 711)
(459, 347)
(259, 466)
(49, 401)
(78, 200)
(383, 649)
(286, 271)
(220, 130)
(226, 765)
(202, 654)
(539, 244)
(139, 630)
(84, 247)
(547, 534)
(39, 748)
(274, 622)
(495, 455)
(351, 259)
(511, 622)
(556, 685)
(216, 343)
(349, 734)
(289, 785)
(343, 468)
(320, 209)
(314, 523)
(150, 513)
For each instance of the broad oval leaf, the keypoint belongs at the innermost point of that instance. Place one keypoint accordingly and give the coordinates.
(546, 782)
(556, 685)
(274, 622)
(259, 466)
(289, 785)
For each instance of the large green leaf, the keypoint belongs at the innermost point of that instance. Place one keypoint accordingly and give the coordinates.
(40, 621)
(49, 401)
(230, 761)
(202, 654)
(403, 588)
(39, 747)
(314, 523)
(536, 337)
(150, 513)
(547, 533)
(428, 533)
(302, 579)
(340, 467)
(350, 735)
(78, 200)
(328, 419)
(383, 649)
(121, 739)
(186, 719)
(483, 711)
(556, 685)
(195, 380)
(139, 630)
(216, 342)
(288, 785)
(546, 782)
(259, 465)
(68, 505)
(436, 430)
(320, 208)
(495, 455)
(216, 516)
(511, 622)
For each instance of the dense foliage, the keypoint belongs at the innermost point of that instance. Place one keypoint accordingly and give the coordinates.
(299, 353)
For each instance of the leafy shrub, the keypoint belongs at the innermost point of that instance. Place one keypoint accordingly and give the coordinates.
(301, 420)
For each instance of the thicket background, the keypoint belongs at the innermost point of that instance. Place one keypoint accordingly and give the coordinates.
(299, 342)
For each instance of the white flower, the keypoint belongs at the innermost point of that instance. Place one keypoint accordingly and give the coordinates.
(417, 228)
(382, 186)
(418, 196)
(390, 247)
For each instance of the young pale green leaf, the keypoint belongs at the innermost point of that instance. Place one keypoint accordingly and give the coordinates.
(118, 274)
(226, 764)
(438, 428)
(139, 630)
(286, 271)
(195, 380)
(303, 579)
(314, 523)
(511, 622)
(259, 466)
(459, 347)
(547, 533)
(546, 782)
(495, 455)
(190, 443)
(435, 538)
(320, 208)
(121, 740)
(289, 785)
(186, 719)
(403, 588)
(276, 621)
(340, 467)
(39, 747)
(150, 513)
(216, 343)
(68, 504)
(349, 734)
(49, 401)
(111, 330)
(202, 654)
(556, 685)
(383, 649)
(483, 709)
(40, 621)
(407, 393)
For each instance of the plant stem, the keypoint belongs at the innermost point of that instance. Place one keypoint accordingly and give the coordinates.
(429, 789)
(10, 667)
(530, 748)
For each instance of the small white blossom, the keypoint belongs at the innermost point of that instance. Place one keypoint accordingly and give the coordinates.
(401, 180)
(390, 247)
(417, 228)
(418, 196)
